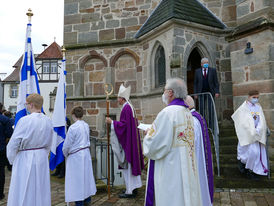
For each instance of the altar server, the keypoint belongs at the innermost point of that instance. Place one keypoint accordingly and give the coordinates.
(28, 151)
(251, 130)
(79, 180)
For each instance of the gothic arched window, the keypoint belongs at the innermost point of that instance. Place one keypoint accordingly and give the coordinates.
(160, 67)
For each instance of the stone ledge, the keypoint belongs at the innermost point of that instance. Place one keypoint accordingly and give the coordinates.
(102, 44)
(254, 26)
(100, 97)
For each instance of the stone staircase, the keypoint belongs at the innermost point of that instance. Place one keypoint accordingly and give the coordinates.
(230, 177)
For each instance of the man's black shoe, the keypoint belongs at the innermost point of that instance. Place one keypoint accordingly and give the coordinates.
(241, 167)
(124, 195)
(2, 197)
(135, 191)
(251, 175)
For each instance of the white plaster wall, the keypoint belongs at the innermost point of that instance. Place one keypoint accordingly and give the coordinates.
(8, 101)
(45, 89)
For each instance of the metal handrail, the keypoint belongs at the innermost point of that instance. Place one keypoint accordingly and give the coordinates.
(102, 143)
(209, 113)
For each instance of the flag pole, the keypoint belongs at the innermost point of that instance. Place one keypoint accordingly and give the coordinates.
(108, 90)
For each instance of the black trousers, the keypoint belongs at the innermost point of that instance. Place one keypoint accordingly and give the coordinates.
(2, 171)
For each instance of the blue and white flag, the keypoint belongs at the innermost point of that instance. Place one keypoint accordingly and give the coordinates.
(28, 77)
(59, 120)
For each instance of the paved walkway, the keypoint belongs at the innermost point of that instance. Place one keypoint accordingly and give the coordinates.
(222, 197)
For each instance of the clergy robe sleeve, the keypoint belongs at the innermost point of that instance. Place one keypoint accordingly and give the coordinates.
(158, 141)
(68, 142)
(16, 139)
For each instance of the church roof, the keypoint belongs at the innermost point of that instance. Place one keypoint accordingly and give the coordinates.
(188, 10)
(52, 52)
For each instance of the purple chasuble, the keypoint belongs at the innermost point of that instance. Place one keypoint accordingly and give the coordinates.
(128, 136)
(207, 151)
(150, 183)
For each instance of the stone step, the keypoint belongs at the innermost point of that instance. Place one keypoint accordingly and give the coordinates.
(228, 170)
(224, 182)
(227, 159)
(229, 140)
(228, 149)
(226, 132)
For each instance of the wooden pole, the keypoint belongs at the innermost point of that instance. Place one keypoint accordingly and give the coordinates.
(108, 90)
(108, 151)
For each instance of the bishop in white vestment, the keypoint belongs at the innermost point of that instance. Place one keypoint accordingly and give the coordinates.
(173, 178)
(251, 129)
(28, 151)
(79, 179)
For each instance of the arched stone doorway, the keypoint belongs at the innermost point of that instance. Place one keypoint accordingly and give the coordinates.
(193, 63)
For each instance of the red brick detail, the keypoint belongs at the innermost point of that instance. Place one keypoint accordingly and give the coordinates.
(90, 10)
(92, 55)
(123, 52)
(106, 35)
(102, 104)
(93, 105)
(262, 87)
(133, 28)
(98, 89)
(89, 67)
(131, 9)
(120, 33)
(92, 111)
(69, 107)
(252, 7)
(114, 104)
(139, 69)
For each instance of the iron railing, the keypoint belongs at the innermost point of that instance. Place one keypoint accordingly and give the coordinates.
(206, 107)
(100, 145)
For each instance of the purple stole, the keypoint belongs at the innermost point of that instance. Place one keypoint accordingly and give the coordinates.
(150, 183)
(207, 151)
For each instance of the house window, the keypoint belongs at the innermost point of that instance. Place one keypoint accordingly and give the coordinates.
(53, 67)
(48, 71)
(46, 67)
(160, 67)
(14, 91)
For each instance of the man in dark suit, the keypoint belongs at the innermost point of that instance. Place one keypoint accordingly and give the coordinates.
(5, 132)
(206, 81)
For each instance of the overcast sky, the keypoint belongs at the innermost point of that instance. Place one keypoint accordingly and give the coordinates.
(47, 23)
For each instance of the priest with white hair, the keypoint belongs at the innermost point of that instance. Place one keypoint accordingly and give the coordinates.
(126, 144)
(203, 154)
(173, 177)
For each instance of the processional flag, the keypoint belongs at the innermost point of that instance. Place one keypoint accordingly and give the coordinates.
(28, 76)
(59, 119)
